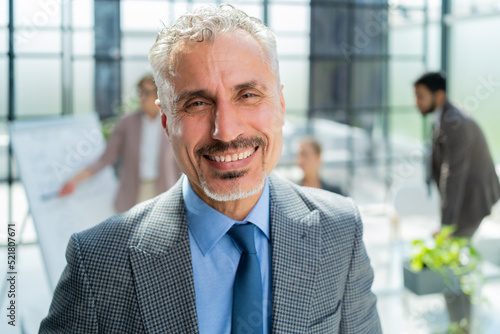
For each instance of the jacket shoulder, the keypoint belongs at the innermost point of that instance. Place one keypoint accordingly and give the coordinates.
(335, 211)
(460, 127)
(159, 217)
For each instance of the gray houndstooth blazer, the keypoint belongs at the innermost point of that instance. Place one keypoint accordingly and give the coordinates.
(133, 272)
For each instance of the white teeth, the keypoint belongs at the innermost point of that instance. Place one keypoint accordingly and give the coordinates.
(234, 157)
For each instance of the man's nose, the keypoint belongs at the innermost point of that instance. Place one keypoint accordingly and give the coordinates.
(228, 122)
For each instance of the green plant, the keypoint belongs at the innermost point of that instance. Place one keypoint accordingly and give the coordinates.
(447, 252)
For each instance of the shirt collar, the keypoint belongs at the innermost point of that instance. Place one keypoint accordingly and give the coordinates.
(437, 115)
(208, 226)
(149, 120)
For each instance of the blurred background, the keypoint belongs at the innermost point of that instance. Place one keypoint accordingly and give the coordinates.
(348, 68)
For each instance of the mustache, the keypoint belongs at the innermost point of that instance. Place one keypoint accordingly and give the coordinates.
(238, 143)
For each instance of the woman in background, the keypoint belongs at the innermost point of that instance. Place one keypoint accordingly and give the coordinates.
(309, 160)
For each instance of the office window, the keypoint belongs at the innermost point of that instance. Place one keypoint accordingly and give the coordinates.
(82, 67)
(289, 18)
(38, 87)
(4, 82)
(82, 14)
(410, 40)
(139, 30)
(132, 71)
(4, 142)
(256, 10)
(137, 43)
(474, 7)
(37, 15)
(40, 42)
(83, 43)
(295, 75)
(406, 41)
(198, 3)
(402, 75)
(83, 86)
(4, 13)
(296, 45)
(331, 76)
(4, 41)
(474, 74)
(433, 46)
(368, 80)
(143, 15)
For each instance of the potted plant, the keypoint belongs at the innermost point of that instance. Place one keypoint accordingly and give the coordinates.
(447, 264)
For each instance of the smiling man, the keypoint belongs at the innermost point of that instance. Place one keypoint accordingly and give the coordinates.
(231, 248)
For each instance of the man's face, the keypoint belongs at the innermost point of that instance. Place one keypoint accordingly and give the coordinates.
(226, 126)
(425, 99)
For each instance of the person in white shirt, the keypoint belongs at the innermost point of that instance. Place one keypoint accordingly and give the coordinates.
(147, 166)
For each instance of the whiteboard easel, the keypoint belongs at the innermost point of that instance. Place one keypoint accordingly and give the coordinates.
(48, 152)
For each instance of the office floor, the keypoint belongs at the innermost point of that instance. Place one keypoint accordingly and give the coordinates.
(401, 312)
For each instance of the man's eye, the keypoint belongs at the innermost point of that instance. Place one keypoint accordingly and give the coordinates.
(247, 95)
(196, 104)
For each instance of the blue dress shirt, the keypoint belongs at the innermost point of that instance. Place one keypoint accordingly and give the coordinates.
(215, 258)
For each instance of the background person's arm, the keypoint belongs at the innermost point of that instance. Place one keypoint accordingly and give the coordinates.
(456, 145)
(113, 148)
(70, 186)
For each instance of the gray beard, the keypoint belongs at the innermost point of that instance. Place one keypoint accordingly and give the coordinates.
(235, 193)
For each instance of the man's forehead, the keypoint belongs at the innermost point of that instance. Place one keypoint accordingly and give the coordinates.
(194, 62)
(223, 43)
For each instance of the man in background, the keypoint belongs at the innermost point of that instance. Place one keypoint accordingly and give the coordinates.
(462, 167)
(461, 163)
(230, 248)
(147, 164)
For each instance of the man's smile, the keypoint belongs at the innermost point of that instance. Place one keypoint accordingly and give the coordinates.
(229, 157)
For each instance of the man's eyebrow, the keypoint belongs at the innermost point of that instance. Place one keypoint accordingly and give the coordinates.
(250, 85)
(190, 94)
(186, 95)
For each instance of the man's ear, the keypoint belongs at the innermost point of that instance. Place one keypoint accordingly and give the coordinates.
(282, 100)
(163, 116)
(441, 95)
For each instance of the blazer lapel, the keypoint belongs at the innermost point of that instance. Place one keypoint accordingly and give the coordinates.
(160, 257)
(296, 243)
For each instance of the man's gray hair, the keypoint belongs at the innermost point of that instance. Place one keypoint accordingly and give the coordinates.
(203, 25)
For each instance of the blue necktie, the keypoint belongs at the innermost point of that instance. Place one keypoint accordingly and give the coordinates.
(247, 291)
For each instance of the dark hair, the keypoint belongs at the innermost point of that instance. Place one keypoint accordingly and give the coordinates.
(147, 78)
(434, 81)
(315, 145)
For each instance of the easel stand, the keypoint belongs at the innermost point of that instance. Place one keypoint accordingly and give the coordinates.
(5, 284)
